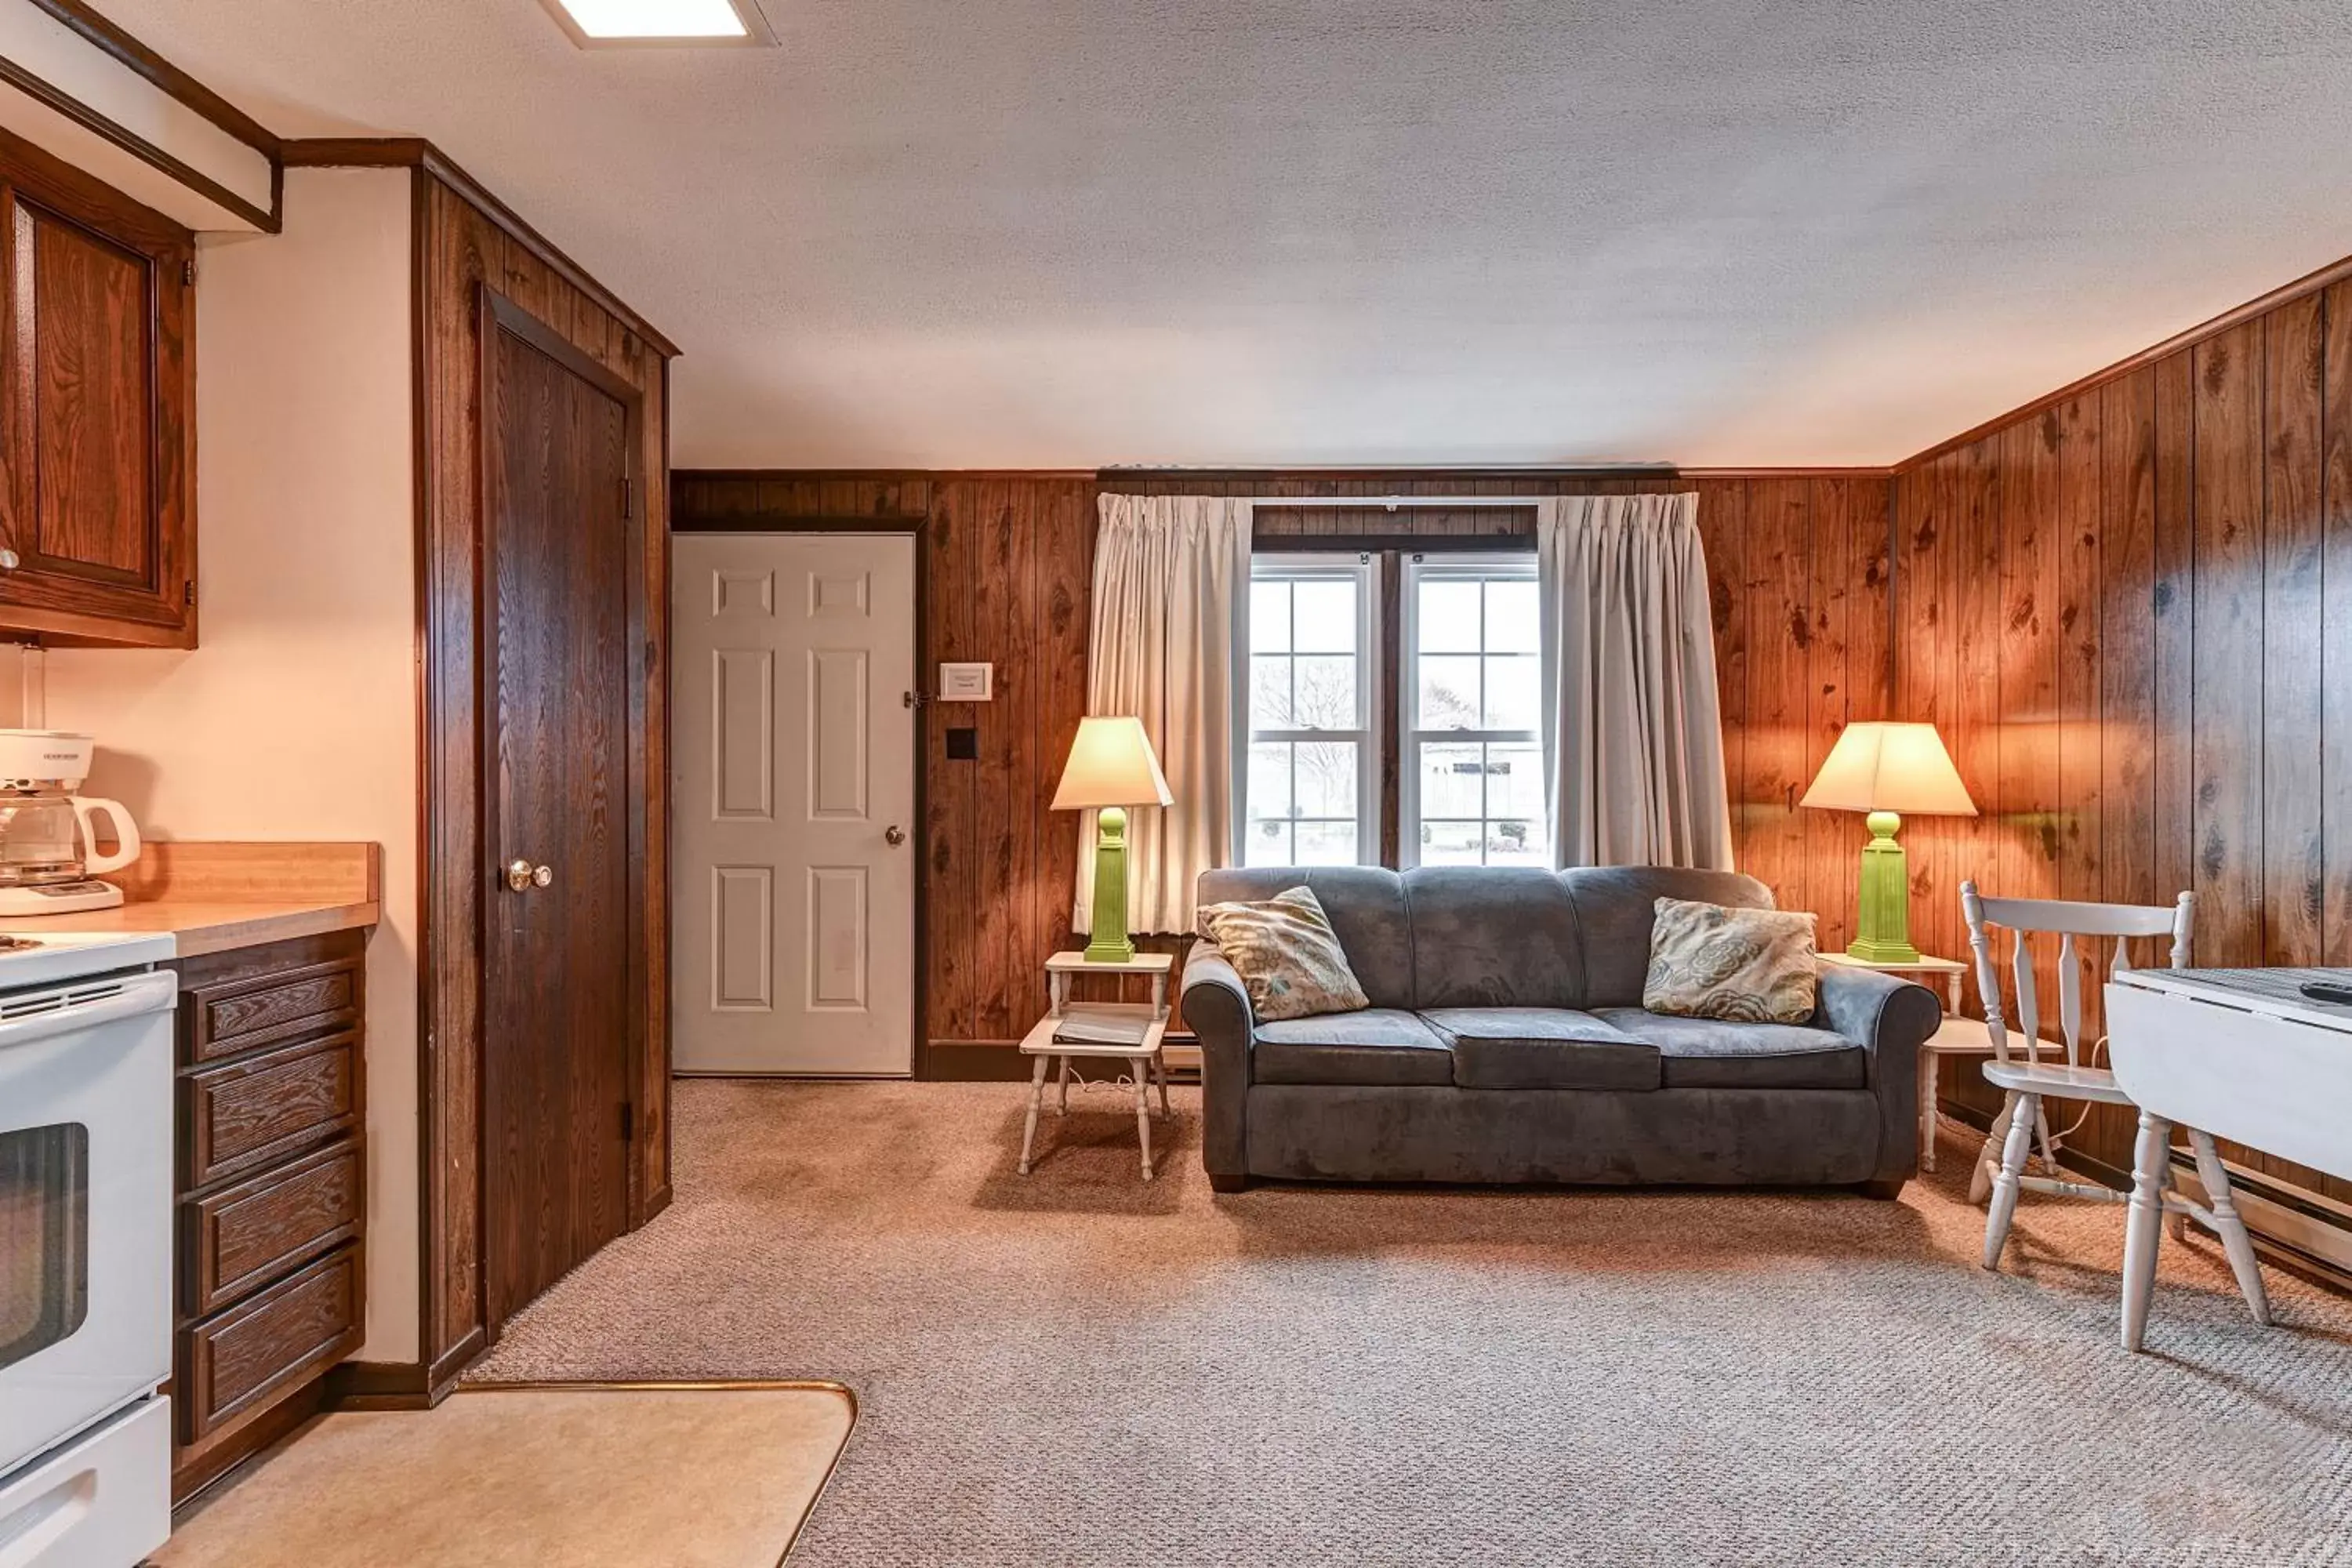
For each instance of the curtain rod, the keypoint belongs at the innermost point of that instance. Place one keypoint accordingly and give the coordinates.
(1393, 503)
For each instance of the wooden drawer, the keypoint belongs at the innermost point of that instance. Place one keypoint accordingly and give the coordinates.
(233, 1363)
(245, 1114)
(224, 1020)
(245, 1235)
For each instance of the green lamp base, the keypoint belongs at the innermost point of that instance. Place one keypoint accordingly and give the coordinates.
(1109, 943)
(1884, 934)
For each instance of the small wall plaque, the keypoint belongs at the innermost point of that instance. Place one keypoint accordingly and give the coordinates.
(967, 682)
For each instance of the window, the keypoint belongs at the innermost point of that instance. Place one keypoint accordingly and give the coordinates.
(1314, 773)
(1471, 764)
(1458, 718)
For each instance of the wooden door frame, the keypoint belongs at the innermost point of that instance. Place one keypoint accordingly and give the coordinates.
(912, 528)
(495, 314)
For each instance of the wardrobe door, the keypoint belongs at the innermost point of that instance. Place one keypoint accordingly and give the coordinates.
(563, 935)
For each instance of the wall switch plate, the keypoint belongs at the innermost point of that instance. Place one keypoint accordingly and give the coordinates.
(964, 744)
(966, 683)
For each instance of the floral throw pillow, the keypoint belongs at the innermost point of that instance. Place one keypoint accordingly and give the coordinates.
(1744, 967)
(1288, 957)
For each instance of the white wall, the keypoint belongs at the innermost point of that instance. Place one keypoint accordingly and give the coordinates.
(296, 716)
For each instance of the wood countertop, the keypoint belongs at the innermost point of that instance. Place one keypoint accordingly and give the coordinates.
(214, 897)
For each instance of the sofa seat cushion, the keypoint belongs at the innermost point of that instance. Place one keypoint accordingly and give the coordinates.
(1542, 1047)
(1706, 1053)
(1371, 1046)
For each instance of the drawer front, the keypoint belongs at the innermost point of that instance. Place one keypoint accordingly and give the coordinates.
(236, 1363)
(251, 1113)
(223, 1020)
(242, 1236)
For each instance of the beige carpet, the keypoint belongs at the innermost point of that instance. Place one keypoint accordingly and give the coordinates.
(534, 1478)
(1076, 1368)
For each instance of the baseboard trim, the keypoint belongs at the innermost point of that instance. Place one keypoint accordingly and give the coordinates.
(404, 1384)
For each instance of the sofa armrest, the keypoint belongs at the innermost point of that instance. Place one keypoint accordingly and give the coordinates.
(1890, 1018)
(1217, 1009)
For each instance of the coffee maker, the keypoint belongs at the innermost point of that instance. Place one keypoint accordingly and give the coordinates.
(49, 848)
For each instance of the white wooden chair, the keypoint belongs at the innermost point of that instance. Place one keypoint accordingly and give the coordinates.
(2027, 1083)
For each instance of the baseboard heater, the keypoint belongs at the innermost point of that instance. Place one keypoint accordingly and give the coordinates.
(2291, 1222)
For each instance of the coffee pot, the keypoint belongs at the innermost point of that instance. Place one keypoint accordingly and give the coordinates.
(48, 845)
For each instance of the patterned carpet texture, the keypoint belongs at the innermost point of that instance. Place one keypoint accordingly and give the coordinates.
(1078, 1368)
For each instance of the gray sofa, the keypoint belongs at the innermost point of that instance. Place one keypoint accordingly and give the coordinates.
(1505, 1042)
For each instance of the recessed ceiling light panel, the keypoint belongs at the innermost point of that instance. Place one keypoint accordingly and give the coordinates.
(644, 24)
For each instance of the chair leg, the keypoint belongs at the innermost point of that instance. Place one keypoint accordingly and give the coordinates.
(1988, 1157)
(2044, 1136)
(2143, 1225)
(2235, 1242)
(2025, 1109)
(2176, 1220)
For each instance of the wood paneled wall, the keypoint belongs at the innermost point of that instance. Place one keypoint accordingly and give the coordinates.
(1798, 565)
(2130, 614)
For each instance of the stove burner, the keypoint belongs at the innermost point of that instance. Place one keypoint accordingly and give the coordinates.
(17, 943)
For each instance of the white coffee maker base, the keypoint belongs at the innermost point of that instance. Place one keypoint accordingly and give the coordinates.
(59, 899)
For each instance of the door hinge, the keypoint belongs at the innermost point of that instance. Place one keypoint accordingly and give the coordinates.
(628, 1122)
(188, 274)
(628, 499)
(188, 592)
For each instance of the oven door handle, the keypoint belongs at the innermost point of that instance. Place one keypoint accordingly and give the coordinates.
(153, 993)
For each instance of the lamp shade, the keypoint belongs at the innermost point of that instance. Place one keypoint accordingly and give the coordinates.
(1879, 767)
(1112, 764)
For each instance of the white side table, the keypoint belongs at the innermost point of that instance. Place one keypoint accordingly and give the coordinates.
(1144, 1054)
(1946, 1040)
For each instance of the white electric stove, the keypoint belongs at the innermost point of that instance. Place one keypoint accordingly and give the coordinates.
(86, 1062)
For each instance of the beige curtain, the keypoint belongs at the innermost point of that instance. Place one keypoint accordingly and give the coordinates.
(1171, 581)
(1633, 736)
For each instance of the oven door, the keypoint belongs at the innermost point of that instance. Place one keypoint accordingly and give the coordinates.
(85, 1204)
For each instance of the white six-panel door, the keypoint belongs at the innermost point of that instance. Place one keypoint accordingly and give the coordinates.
(792, 891)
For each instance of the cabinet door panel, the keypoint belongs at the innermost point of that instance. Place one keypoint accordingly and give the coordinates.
(93, 386)
(97, 410)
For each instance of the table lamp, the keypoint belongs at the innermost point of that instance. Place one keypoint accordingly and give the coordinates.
(1110, 768)
(1885, 769)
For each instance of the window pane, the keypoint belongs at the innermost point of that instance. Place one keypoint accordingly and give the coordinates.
(1450, 778)
(1515, 781)
(1445, 620)
(1326, 615)
(1449, 693)
(1267, 843)
(1516, 844)
(1513, 624)
(1326, 693)
(1325, 843)
(1450, 842)
(1269, 780)
(1514, 693)
(1269, 628)
(1269, 691)
(1326, 778)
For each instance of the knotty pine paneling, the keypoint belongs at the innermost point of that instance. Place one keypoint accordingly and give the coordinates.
(2118, 610)
(1007, 564)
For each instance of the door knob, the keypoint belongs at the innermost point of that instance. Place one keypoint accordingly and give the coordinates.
(519, 875)
(8, 561)
(894, 836)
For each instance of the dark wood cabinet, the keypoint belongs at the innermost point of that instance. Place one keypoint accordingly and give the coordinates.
(271, 1290)
(97, 411)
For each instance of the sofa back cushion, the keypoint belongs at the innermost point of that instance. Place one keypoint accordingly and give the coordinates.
(1614, 908)
(1364, 903)
(1493, 937)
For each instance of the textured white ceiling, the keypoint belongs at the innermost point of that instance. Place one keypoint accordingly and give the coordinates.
(1044, 233)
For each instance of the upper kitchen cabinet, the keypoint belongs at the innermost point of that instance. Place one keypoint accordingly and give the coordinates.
(97, 411)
